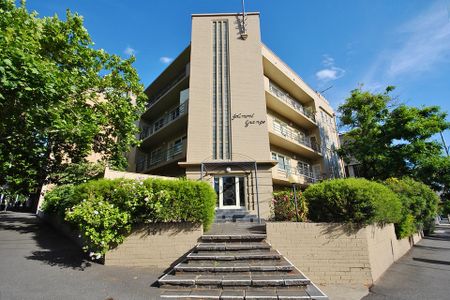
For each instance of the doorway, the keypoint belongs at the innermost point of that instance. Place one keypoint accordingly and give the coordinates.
(230, 192)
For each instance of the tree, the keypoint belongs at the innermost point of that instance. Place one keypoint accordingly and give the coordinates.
(394, 140)
(60, 99)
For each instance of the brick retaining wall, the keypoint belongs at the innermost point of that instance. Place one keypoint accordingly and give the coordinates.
(158, 245)
(334, 253)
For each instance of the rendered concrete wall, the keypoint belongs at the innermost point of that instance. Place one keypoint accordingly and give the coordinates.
(111, 174)
(333, 253)
(157, 245)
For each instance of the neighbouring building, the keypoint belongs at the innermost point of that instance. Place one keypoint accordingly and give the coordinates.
(229, 111)
(353, 167)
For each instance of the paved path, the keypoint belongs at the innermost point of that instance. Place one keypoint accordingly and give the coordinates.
(423, 273)
(38, 263)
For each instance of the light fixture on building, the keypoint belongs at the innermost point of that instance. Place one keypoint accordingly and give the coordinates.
(228, 170)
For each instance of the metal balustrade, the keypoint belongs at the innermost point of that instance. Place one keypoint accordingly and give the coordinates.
(308, 175)
(286, 98)
(165, 120)
(158, 157)
(295, 136)
(163, 91)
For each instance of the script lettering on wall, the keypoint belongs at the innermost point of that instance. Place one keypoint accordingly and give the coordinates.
(249, 119)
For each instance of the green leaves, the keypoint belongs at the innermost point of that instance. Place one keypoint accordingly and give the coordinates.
(391, 139)
(105, 210)
(60, 98)
(352, 200)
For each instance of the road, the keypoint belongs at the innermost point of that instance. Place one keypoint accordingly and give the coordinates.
(423, 273)
(37, 263)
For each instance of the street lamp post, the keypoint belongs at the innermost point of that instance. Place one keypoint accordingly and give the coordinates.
(293, 181)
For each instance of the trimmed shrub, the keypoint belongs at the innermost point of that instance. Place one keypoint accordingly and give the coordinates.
(105, 210)
(419, 202)
(283, 206)
(352, 200)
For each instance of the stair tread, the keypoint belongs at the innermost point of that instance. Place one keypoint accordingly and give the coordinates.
(234, 255)
(232, 246)
(234, 237)
(240, 293)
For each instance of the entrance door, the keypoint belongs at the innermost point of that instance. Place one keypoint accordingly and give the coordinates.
(230, 190)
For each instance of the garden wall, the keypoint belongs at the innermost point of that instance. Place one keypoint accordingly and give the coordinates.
(334, 253)
(157, 245)
(111, 174)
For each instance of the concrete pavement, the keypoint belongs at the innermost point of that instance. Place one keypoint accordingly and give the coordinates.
(37, 263)
(423, 273)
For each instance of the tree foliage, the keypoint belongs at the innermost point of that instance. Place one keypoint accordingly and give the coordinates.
(394, 140)
(60, 99)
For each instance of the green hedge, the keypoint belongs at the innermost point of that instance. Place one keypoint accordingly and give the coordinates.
(419, 205)
(283, 206)
(105, 210)
(352, 200)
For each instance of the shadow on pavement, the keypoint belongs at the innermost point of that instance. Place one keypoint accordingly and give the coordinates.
(54, 248)
(432, 261)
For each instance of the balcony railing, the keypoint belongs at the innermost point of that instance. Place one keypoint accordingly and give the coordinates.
(158, 157)
(309, 176)
(163, 91)
(295, 136)
(286, 98)
(165, 120)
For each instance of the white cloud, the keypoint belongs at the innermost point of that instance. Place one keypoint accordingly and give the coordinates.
(421, 45)
(426, 43)
(327, 61)
(129, 51)
(330, 72)
(165, 59)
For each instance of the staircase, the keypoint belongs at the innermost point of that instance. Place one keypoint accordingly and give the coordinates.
(241, 265)
(234, 215)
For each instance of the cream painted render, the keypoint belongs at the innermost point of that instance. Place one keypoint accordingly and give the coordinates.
(226, 103)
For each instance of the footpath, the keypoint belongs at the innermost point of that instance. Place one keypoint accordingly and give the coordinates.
(423, 273)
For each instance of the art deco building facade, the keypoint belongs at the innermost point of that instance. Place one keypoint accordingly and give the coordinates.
(229, 111)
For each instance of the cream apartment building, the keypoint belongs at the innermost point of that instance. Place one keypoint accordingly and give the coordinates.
(229, 111)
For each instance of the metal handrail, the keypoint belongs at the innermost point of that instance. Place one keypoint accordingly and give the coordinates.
(310, 177)
(286, 98)
(163, 91)
(165, 120)
(151, 160)
(295, 135)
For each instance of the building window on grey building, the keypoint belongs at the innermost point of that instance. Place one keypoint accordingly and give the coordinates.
(221, 130)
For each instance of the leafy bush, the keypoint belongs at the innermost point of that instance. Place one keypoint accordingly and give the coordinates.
(419, 202)
(352, 200)
(105, 210)
(58, 200)
(283, 206)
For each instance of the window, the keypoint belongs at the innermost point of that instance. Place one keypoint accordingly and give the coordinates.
(158, 124)
(284, 162)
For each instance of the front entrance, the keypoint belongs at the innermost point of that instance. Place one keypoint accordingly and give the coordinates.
(230, 192)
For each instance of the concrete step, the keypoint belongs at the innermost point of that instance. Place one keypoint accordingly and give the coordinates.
(233, 237)
(233, 280)
(235, 266)
(232, 246)
(233, 255)
(246, 219)
(303, 293)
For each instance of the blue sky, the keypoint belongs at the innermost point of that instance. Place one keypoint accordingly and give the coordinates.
(405, 43)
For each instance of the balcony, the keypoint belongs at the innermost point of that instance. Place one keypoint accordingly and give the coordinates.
(293, 140)
(160, 158)
(163, 122)
(153, 100)
(283, 176)
(280, 101)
